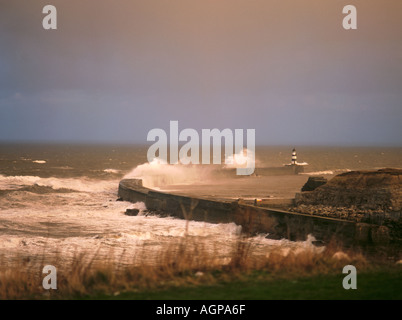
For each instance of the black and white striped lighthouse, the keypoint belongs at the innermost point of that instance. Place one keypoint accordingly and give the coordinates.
(294, 157)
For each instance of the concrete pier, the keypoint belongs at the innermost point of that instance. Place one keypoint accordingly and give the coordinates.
(277, 223)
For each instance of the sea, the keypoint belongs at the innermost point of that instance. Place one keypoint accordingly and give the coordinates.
(60, 200)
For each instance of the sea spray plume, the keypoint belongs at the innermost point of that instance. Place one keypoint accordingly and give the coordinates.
(191, 136)
(241, 159)
(159, 173)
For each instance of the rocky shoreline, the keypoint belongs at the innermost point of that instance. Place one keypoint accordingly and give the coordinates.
(351, 213)
(372, 197)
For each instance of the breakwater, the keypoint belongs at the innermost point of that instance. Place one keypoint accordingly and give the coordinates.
(277, 223)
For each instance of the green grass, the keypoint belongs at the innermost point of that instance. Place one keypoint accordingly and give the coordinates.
(371, 285)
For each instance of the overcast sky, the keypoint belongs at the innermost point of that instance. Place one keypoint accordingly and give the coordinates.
(116, 69)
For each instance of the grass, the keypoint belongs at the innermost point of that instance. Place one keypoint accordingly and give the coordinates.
(371, 286)
(188, 270)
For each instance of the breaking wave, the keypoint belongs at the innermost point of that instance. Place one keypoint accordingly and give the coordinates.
(73, 184)
(326, 172)
(159, 173)
(37, 189)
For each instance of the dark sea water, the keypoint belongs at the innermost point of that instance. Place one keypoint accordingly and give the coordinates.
(109, 162)
(69, 161)
(61, 199)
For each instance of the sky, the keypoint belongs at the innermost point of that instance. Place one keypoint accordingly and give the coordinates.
(114, 70)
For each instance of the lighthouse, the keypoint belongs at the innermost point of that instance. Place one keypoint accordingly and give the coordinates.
(294, 157)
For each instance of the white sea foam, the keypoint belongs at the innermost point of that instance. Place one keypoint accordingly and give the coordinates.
(63, 168)
(91, 221)
(39, 161)
(79, 184)
(302, 163)
(15, 182)
(318, 173)
(111, 171)
(298, 163)
(326, 172)
(70, 223)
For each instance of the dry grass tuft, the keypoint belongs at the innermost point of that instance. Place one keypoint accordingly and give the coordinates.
(189, 262)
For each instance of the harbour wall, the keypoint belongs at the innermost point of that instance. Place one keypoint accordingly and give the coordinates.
(277, 223)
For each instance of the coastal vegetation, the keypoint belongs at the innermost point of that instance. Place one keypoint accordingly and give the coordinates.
(189, 270)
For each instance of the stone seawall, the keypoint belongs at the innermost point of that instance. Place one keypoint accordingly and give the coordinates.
(277, 223)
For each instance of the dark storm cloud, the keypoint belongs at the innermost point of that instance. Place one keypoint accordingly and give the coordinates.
(114, 70)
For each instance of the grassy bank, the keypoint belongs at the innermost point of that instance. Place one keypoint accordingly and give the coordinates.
(380, 284)
(189, 270)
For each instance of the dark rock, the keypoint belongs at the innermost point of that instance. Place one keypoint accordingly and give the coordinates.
(132, 212)
(313, 183)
